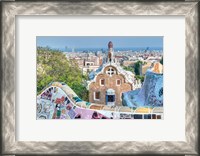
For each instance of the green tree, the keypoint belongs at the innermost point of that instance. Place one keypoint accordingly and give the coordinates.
(52, 65)
(161, 61)
(137, 67)
(129, 68)
(138, 77)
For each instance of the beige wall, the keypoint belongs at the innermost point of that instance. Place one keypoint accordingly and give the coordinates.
(110, 82)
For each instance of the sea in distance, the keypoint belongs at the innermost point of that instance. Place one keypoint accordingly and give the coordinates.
(141, 49)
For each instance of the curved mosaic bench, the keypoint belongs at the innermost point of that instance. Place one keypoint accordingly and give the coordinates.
(59, 101)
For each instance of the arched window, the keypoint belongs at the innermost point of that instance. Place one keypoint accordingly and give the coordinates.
(118, 82)
(97, 95)
(110, 97)
(102, 82)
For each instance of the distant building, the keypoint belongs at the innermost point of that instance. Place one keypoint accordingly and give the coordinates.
(109, 81)
(157, 68)
(92, 63)
(145, 67)
(129, 63)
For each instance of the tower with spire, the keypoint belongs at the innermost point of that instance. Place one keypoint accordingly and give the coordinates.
(110, 52)
(109, 81)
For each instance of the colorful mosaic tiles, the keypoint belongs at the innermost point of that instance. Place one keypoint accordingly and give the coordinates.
(58, 101)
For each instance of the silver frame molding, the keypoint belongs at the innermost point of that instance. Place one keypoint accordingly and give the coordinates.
(189, 9)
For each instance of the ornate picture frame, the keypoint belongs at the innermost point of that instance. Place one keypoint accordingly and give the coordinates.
(11, 9)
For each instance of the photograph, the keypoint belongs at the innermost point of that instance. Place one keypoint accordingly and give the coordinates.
(99, 77)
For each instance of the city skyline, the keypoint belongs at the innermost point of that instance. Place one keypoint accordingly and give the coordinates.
(101, 84)
(63, 42)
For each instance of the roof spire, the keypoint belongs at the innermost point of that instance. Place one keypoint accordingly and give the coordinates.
(110, 52)
(110, 45)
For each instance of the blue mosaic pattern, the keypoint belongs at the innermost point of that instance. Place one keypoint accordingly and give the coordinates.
(151, 93)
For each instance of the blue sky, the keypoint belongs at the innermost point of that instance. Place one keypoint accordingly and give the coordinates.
(60, 42)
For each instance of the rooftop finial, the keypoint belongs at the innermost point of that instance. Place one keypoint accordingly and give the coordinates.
(110, 45)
